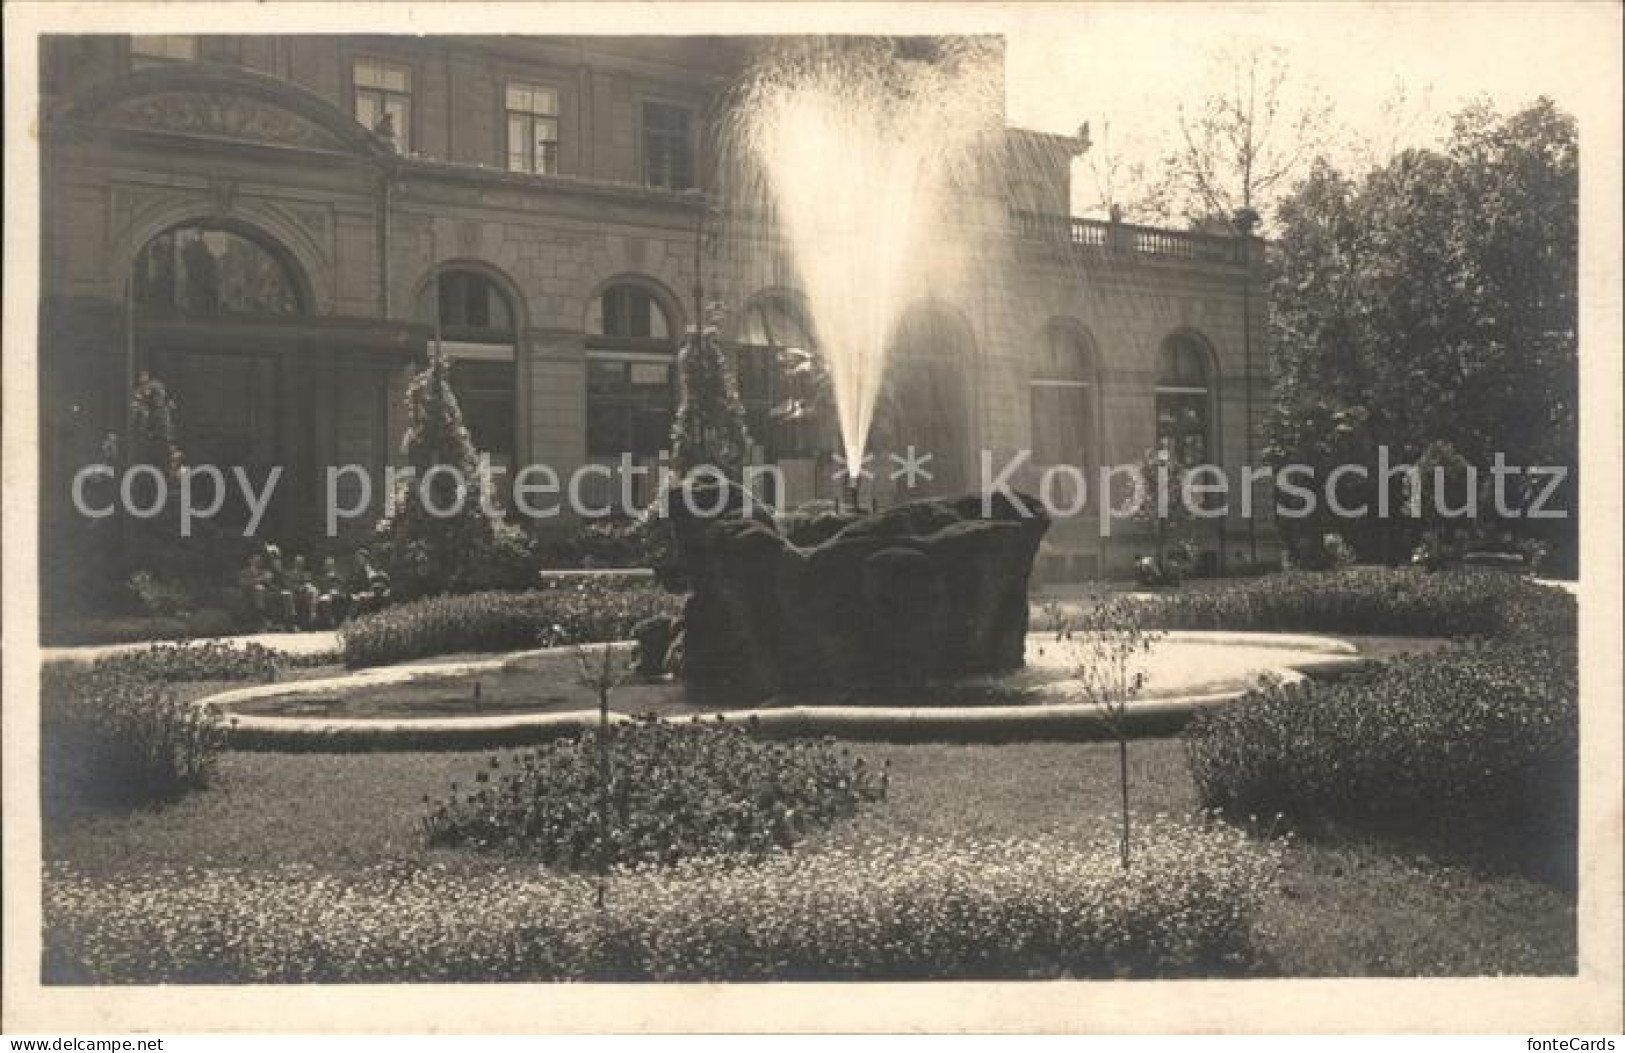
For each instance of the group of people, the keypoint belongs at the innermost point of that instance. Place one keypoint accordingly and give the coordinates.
(287, 595)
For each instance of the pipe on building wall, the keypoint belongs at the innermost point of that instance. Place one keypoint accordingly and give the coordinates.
(385, 189)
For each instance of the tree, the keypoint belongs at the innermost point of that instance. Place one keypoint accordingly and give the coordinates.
(1115, 176)
(1104, 648)
(1434, 300)
(439, 530)
(1239, 148)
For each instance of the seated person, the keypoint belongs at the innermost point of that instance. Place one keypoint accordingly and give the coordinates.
(299, 586)
(332, 598)
(369, 586)
(255, 582)
(280, 596)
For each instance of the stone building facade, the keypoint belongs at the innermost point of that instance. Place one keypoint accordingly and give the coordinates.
(279, 227)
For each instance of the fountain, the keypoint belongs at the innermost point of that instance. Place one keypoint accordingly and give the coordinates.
(865, 154)
(858, 152)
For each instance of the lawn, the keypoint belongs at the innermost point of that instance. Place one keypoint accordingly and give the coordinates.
(1348, 908)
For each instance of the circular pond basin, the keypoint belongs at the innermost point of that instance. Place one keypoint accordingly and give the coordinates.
(537, 695)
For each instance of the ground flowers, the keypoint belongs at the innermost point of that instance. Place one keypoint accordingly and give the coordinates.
(904, 909)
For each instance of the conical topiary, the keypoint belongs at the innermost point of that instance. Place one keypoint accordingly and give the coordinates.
(438, 527)
(710, 425)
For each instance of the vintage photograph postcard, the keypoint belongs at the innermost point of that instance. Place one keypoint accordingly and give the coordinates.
(688, 517)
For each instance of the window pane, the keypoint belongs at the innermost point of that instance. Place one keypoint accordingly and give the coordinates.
(518, 159)
(607, 427)
(605, 377)
(527, 98)
(472, 307)
(651, 375)
(666, 156)
(399, 110)
(366, 109)
(657, 325)
(195, 270)
(485, 394)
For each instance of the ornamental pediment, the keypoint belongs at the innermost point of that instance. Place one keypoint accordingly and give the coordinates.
(220, 115)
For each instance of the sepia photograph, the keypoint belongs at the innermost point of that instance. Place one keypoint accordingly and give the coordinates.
(806, 498)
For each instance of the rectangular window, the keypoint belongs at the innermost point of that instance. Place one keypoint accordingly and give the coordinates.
(533, 129)
(668, 155)
(152, 50)
(485, 393)
(629, 406)
(384, 91)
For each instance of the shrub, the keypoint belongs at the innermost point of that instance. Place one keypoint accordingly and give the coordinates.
(1477, 742)
(110, 733)
(204, 660)
(908, 910)
(674, 791)
(584, 611)
(1374, 600)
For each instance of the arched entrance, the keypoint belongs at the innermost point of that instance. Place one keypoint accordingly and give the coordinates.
(211, 305)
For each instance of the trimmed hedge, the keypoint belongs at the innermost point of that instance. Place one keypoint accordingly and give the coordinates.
(569, 612)
(1477, 743)
(908, 910)
(1372, 600)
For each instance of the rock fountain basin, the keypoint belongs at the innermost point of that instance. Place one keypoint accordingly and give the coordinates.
(534, 696)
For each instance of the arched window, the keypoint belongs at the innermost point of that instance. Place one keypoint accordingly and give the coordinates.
(772, 332)
(474, 323)
(631, 349)
(1185, 400)
(628, 312)
(1063, 395)
(201, 271)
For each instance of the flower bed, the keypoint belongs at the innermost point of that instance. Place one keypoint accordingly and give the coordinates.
(674, 791)
(911, 910)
